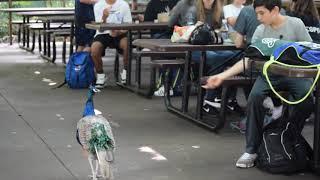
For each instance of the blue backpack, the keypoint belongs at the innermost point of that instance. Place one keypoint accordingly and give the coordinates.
(80, 71)
(295, 55)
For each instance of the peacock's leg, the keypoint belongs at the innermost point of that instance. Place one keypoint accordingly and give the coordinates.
(91, 159)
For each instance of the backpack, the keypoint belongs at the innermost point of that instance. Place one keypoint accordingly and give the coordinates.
(204, 35)
(80, 70)
(295, 55)
(263, 48)
(283, 150)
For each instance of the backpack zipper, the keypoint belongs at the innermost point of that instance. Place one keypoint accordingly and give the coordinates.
(265, 146)
(285, 150)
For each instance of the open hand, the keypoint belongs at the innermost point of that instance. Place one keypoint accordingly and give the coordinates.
(213, 82)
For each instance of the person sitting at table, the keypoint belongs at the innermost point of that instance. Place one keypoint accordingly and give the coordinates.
(110, 11)
(154, 7)
(231, 12)
(273, 25)
(188, 12)
(308, 13)
(84, 14)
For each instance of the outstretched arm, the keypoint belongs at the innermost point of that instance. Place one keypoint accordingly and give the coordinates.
(216, 80)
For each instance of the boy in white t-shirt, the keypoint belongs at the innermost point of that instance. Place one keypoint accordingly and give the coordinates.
(110, 11)
(231, 12)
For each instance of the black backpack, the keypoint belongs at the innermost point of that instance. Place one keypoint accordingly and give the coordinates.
(283, 150)
(205, 35)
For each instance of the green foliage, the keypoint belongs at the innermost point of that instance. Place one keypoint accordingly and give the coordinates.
(4, 28)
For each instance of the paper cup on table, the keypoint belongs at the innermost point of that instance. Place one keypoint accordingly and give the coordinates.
(155, 21)
(163, 17)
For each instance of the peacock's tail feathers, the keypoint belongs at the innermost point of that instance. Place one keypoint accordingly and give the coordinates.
(99, 139)
(95, 131)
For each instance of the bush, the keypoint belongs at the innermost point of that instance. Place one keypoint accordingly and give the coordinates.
(4, 15)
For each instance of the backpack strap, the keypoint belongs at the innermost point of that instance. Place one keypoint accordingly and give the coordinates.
(273, 61)
(60, 85)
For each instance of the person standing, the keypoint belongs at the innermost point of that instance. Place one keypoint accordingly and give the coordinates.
(84, 14)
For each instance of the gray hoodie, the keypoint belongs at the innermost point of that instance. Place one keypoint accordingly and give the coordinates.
(184, 13)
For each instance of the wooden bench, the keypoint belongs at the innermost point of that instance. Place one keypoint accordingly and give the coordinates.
(19, 23)
(40, 28)
(60, 33)
(158, 59)
(227, 85)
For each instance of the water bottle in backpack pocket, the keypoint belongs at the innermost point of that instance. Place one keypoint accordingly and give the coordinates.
(80, 71)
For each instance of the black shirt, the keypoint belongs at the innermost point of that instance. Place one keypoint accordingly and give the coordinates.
(157, 6)
(311, 23)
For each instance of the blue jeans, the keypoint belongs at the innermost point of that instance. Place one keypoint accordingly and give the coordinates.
(216, 62)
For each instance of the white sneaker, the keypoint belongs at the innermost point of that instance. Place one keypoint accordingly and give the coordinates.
(101, 81)
(246, 160)
(160, 92)
(123, 76)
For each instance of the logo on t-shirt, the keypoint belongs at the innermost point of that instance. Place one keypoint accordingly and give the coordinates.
(269, 41)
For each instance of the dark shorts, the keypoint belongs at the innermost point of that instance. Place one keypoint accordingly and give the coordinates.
(112, 42)
(84, 36)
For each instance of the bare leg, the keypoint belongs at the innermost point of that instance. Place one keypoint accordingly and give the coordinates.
(96, 53)
(124, 46)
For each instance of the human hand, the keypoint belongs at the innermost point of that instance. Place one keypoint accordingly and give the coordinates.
(140, 17)
(106, 13)
(213, 82)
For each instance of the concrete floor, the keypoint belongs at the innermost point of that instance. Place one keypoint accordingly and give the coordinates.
(37, 131)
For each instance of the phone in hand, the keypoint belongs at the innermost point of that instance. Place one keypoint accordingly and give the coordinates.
(204, 80)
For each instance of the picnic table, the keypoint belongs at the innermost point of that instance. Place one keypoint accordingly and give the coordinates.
(165, 45)
(47, 20)
(15, 10)
(26, 18)
(301, 73)
(130, 27)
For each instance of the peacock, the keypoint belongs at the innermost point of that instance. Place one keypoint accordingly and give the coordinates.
(95, 136)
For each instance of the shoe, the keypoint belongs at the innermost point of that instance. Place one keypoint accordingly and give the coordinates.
(101, 81)
(209, 109)
(234, 107)
(160, 92)
(246, 160)
(216, 103)
(239, 125)
(123, 76)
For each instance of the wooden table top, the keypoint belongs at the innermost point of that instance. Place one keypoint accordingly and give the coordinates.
(35, 9)
(56, 18)
(127, 26)
(286, 71)
(46, 13)
(165, 45)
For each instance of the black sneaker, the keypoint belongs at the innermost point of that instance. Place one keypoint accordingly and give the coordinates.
(234, 107)
(208, 109)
